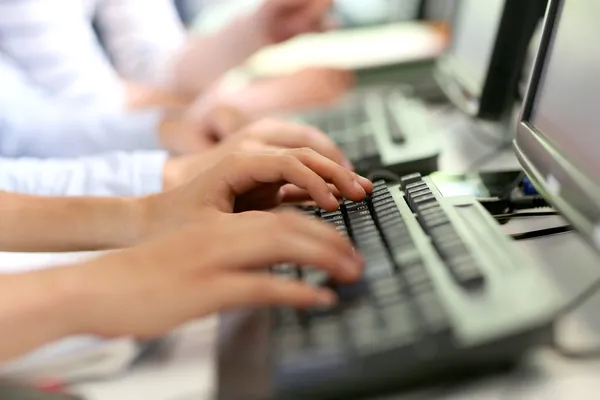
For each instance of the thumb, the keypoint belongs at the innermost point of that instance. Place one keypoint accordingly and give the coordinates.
(226, 120)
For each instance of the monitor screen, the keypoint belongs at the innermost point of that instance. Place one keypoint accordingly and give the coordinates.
(559, 134)
(474, 31)
(566, 109)
(481, 70)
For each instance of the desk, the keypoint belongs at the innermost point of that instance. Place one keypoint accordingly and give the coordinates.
(188, 372)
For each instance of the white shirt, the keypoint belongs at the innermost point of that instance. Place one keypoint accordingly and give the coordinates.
(54, 41)
(33, 126)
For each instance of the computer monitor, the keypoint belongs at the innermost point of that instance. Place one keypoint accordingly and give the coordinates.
(558, 136)
(353, 13)
(481, 69)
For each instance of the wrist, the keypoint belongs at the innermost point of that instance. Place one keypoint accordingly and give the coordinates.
(81, 294)
(172, 175)
(68, 294)
(170, 123)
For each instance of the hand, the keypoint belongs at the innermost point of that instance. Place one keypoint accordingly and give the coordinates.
(280, 20)
(253, 181)
(148, 290)
(259, 136)
(200, 127)
(309, 87)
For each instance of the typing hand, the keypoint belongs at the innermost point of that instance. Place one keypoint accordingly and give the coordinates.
(254, 181)
(280, 20)
(146, 291)
(264, 135)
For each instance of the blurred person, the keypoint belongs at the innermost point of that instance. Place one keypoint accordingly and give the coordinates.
(49, 147)
(147, 58)
(203, 231)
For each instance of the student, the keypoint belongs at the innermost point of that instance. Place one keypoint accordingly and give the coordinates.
(197, 257)
(48, 147)
(147, 57)
(34, 124)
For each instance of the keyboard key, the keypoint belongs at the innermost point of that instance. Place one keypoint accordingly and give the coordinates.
(326, 335)
(431, 310)
(394, 128)
(287, 318)
(408, 179)
(416, 276)
(290, 341)
(413, 187)
(286, 271)
(314, 277)
(466, 272)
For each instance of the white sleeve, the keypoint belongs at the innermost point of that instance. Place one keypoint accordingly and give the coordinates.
(33, 124)
(57, 47)
(115, 174)
(141, 36)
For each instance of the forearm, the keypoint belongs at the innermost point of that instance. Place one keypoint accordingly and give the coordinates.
(143, 96)
(46, 224)
(36, 308)
(206, 58)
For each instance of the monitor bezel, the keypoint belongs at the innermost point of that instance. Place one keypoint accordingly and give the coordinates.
(575, 195)
(515, 30)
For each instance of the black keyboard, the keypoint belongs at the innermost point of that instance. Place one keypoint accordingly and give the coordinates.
(352, 126)
(430, 305)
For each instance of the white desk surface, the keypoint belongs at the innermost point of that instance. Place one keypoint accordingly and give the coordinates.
(187, 370)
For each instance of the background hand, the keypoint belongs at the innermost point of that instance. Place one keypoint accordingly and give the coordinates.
(280, 20)
(200, 127)
(261, 136)
(148, 290)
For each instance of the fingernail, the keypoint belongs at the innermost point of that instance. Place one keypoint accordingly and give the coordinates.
(333, 199)
(347, 164)
(326, 298)
(358, 186)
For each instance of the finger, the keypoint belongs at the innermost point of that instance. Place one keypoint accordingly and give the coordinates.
(364, 182)
(289, 238)
(315, 229)
(343, 179)
(280, 167)
(314, 11)
(236, 290)
(295, 136)
(227, 120)
(294, 194)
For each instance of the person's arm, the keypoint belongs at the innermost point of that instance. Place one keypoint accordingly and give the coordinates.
(30, 222)
(197, 66)
(49, 224)
(33, 123)
(140, 37)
